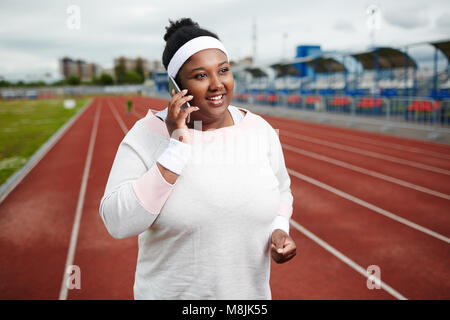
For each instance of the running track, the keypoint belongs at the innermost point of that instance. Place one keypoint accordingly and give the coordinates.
(360, 199)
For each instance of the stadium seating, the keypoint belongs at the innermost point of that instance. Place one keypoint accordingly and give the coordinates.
(294, 100)
(423, 106)
(242, 97)
(273, 98)
(260, 98)
(422, 110)
(370, 102)
(311, 101)
(369, 105)
(339, 103)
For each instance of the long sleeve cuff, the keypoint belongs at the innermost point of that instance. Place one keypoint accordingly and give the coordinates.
(152, 190)
(282, 223)
(175, 157)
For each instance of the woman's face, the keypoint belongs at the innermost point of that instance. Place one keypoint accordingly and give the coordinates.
(208, 77)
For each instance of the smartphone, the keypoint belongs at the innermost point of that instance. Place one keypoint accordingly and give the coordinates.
(173, 85)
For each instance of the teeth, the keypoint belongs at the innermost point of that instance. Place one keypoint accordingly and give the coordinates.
(216, 98)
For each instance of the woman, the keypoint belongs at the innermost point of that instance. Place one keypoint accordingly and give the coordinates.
(209, 198)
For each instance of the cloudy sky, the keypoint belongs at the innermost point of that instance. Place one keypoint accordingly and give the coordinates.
(35, 34)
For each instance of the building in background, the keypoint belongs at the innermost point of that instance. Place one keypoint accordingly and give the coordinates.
(86, 71)
(132, 64)
(155, 66)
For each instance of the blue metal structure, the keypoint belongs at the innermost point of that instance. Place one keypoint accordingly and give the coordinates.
(313, 64)
(161, 81)
(306, 51)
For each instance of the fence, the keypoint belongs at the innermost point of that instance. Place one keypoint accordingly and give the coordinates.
(51, 92)
(418, 110)
(420, 113)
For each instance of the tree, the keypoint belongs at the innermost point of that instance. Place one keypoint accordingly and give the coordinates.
(73, 80)
(5, 83)
(59, 83)
(105, 79)
(39, 83)
(140, 68)
(133, 77)
(94, 80)
(120, 72)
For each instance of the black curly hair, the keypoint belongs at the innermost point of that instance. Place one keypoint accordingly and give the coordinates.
(180, 32)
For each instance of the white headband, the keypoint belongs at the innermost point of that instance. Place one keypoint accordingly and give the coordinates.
(190, 48)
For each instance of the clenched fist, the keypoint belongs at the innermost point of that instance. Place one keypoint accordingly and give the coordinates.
(283, 246)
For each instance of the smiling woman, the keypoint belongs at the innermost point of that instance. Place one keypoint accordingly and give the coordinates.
(210, 198)
(199, 63)
(208, 78)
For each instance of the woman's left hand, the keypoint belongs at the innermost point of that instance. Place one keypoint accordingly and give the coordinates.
(283, 246)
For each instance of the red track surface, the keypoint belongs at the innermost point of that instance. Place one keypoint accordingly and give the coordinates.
(37, 217)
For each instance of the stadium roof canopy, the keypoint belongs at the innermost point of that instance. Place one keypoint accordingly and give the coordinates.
(326, 64)
(320, 64)
(388, 58)
(285, 69)
(256, 72)
(444, 46)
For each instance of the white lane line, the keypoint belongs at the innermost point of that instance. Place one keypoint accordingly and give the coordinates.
(369, 206)
(136, 114)
(118, 118)
(79, 210)
(401, 147)
(344, 258)
(365, 152)
(366, 171)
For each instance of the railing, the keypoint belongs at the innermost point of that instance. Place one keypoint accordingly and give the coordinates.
(432, 115)
(50, 92)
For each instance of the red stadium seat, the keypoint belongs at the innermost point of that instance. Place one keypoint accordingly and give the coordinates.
(260, 97)
(340, 101)
(312, 99)
(272, 98)
(424, 106)
(295, 98)
(370, 102)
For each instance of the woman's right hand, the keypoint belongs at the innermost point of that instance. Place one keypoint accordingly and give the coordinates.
(176, 119)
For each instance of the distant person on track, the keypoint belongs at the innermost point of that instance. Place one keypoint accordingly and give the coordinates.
(210, 199)
(129, 106)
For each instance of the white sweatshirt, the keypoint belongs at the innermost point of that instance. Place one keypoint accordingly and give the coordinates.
(207, 235)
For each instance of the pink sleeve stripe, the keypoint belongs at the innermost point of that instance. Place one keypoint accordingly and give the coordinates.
(285, 210)
(152, 190)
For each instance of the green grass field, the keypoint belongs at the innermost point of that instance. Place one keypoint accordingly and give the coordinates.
(27, 124)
